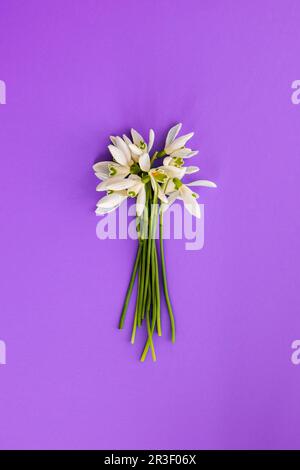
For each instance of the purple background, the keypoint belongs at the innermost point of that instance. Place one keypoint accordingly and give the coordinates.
(77, 71)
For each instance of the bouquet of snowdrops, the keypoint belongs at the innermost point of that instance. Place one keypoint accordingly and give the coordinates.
(131, 173)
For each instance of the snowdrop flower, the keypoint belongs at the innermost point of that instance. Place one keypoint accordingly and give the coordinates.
(139, 149)
(176, 146)
(169, 171)
(116, 186)
(178, 163)
(115, 183)
(139, 146)
(157, 176)
(110, 202)
(121, 166)
(178, 190)
(138, 190)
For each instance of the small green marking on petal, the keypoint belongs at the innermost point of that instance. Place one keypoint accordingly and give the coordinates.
(160, 177)
(177, 183)
(178, 162)
(112, 170)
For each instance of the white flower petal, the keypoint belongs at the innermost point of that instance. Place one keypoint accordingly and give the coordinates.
(136, 137)
(115, 183)
(144, 162)
(190, 201)
(111, 200)
(182, 153)
(173, 171)
(206, 183)
(136, 178)
(153, 182)
(172, 134)
(124, 148)
(103, 211)
(172, 198)
(190, 154)
(191, 169)
(151, 140)
(113, 139)
(141, 201)
(126, 139)
(135, 150)
(121, 170)
(161, 195)
(167, 161)
(170, 187)
(178, 143)
(118, 155)
(101, 166)
(102, 175)
(103, 170)
(135, 188)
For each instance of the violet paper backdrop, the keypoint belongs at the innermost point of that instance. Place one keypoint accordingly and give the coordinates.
(76, 72)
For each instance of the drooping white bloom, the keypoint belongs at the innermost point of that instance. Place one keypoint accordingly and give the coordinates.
(115, 183)
(158, 176)
(122, 160)
(178, 163)
(184, 153)
(120, 151)
(144, 162)
(191, 169)
(140, 149)
(107, 169)
(175, 146)
(177, 190)
(138, 190)
(172, 171)
(206, 183)
(110, 202)
(139, 146)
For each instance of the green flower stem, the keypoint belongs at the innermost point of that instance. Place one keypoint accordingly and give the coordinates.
(155, 288)
(149, 248)
(136, 309)
(164, 274)
(149, 298)
(147, 345)
(150, 336)
(156, 277)
(130, 287)
(142, 284)
(156, 155)
(155, 304)
(155, 267)
(153, 158)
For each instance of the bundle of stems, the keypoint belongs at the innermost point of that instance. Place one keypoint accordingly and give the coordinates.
(148, 272)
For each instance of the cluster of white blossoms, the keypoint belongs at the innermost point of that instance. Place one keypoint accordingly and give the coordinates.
(131, 170)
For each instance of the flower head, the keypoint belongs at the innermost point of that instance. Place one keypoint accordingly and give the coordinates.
(131, 171)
